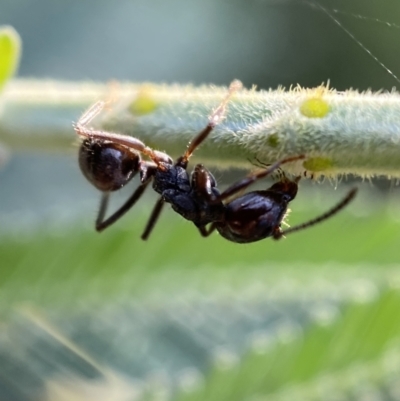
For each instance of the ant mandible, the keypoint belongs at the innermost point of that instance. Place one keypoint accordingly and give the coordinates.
(110, 160)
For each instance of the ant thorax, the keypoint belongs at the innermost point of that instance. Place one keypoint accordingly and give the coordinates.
(176, 187)
(171, 177)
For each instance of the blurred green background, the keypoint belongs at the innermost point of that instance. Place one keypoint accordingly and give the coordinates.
(107, 317)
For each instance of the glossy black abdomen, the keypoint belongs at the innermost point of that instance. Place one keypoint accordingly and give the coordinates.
(253, 216)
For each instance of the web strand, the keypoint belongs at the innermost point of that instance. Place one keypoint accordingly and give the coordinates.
(329, 13)
(364, 18)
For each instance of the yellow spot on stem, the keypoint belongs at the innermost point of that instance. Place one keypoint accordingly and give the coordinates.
(314, 108)
(144, 102)
(318, 164)
(273, 140)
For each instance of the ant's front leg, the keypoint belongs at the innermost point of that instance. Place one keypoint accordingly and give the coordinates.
(155, 214)
(105, 197)
(149, 170)
(103, 224)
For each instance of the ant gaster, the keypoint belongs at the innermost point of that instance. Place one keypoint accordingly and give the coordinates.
(110, 160)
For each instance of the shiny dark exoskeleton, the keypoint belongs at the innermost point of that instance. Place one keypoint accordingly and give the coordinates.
(258, 214)
(108, 166)
(110, 160)
(189, 195)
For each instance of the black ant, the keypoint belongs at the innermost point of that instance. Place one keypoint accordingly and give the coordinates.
(110, 160)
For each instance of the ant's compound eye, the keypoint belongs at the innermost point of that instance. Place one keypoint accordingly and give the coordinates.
(108, 166)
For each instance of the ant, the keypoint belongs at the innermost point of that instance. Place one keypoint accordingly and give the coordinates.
(109, 161)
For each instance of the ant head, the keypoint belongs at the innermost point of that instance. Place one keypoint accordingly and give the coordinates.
(286, 187)
(107, 165)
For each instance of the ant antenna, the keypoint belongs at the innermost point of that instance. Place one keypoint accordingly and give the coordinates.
(261, 164)
(344, 202)
(315, 4)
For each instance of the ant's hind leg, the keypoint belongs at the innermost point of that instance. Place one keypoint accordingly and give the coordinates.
(215, 118)
(278, 234)
(245, 182)
(205, 232)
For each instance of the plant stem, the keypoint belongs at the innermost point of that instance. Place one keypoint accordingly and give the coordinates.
(340, 133)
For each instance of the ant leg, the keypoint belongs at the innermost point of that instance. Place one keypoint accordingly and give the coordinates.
(278, 234)
(105, 197)
(182, 161)
(205, 232)
(91, 113)
(215, 118)
(245, 182)
(155, 214)
(125, 140)
(103, 224)
(203, 183)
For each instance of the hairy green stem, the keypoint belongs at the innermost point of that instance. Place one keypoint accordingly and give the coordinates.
(339, 132)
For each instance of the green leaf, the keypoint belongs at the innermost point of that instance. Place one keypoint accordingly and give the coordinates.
(269, 321)
(10, 50)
